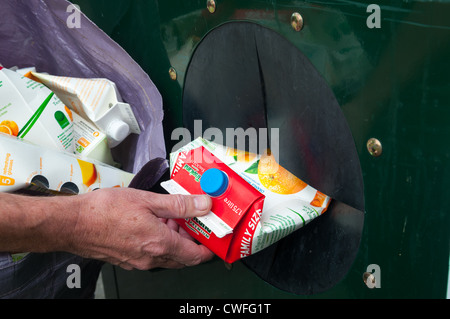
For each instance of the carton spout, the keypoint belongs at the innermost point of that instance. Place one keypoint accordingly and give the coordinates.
(96, 100)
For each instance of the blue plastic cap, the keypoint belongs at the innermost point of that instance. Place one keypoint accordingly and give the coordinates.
(214, 182)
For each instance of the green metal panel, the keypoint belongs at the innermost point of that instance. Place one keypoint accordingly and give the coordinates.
(392, 83)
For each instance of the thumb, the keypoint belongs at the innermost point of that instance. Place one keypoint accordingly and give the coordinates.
(179, 206)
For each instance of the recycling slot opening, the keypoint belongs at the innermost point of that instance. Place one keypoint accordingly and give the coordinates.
(243, 75)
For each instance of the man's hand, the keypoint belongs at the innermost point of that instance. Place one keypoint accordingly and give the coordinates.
(134, 229)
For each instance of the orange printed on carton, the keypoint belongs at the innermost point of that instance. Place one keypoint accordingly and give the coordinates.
(262, 203)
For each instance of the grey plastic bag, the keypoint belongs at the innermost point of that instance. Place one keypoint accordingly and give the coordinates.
(54, 38)
(43, 34)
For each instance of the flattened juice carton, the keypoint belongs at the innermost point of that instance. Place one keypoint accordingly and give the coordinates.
(256, 202)
(34, 168)
(96, 100)
(30, 111)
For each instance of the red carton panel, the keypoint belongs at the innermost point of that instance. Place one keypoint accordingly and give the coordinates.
(239, 207)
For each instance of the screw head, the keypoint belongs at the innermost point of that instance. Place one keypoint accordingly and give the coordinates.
(211, 5)
(173, 74)
(369, 279)
(374, 147)
(296, 21)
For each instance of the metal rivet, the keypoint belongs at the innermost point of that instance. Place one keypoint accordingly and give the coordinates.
(211, 5)
(369, 279)
(173, 74)
(296, 21)
(374, 147)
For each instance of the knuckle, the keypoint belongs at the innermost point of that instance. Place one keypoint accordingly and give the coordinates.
(161, 246)
(195, 260)
(145, 264)
(160, 250)
(179, 205)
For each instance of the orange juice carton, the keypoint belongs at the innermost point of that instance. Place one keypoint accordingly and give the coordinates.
(97, 100)
(256, 202)
(236, 205)
(28, 167)
(90, 142)
(29, 110)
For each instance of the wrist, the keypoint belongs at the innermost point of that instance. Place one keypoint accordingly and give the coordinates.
(58, 229)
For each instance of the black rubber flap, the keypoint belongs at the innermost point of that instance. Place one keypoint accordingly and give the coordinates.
(243, 75)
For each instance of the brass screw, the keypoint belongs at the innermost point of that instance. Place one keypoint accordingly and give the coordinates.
(173, 73)
(374, 147)
(296, 21)
(211, 5)
(369, 279)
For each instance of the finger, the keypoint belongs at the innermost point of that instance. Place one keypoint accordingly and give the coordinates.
(166, 263)
(183, 233)
(187, 252)
(203, 255)
(173, 225)
(125, 266)
(179, 206)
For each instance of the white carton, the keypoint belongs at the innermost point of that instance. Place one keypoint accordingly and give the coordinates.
(27, 166)
(31, 111)
(91, 142)
(97, 100)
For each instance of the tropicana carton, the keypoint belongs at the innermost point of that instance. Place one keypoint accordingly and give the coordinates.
(256, 202)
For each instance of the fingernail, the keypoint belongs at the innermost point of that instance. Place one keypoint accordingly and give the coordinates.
(201, 202)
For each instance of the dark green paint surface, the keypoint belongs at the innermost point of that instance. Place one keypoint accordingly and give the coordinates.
(392, 83)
